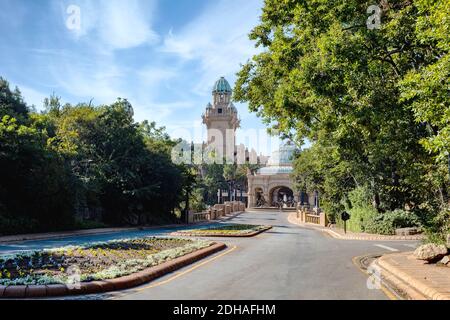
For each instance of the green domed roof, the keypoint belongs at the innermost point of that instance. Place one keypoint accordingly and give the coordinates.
(222, 85)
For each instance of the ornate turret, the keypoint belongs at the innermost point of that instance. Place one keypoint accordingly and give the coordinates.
(221, 119)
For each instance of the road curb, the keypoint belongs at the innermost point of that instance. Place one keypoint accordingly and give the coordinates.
(411, 286)
(292, 219)
(122, 283)
(248, 235)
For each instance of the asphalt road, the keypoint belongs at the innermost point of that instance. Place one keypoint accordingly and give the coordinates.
(286, 262)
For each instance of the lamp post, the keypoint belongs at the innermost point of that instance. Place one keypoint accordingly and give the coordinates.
(231, 189)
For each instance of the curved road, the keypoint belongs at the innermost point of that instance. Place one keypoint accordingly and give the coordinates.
(287, 262)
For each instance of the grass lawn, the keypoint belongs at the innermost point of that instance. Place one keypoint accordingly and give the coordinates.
(99, 261)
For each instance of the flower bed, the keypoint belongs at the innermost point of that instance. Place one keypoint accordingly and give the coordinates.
(99, 261)
(230, 230)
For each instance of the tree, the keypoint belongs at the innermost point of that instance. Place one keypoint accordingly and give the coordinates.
(69, 160)
(11, 102)
(324, 76)
(35, 182)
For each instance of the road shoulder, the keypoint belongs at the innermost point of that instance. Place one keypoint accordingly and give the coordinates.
(417, 279)
(337, 234)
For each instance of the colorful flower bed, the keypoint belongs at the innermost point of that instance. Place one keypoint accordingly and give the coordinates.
(226, 230)
(99, 261)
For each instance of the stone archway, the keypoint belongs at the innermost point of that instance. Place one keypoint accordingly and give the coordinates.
(281, 194)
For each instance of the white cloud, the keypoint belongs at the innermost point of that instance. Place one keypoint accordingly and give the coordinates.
(124, 24)
(115, 24)
(218, 38)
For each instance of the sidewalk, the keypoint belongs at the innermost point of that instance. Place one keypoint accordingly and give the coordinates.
(339, 234)
(416, 279)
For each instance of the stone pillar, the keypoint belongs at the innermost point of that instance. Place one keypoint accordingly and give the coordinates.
(303, 215)
(251, 200)
(323, 219)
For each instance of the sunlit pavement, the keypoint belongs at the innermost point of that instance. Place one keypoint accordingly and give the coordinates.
(287, 262)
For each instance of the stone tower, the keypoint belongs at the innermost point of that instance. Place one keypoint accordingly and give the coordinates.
(221, 120)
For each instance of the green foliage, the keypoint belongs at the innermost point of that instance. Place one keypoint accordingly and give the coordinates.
(438, 231)
(84, 158)
(387, 222)
(361, 212)
(373, 103)
(88, 224)
(11, 102)
(9, 225)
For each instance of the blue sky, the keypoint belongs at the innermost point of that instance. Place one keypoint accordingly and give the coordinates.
(163, 56)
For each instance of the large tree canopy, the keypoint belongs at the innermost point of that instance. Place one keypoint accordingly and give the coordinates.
(70, 162)
(373, 102)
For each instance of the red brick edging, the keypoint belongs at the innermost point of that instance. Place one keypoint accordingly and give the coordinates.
(122, 283)
(215, 235)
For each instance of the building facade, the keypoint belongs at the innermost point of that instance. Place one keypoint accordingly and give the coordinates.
(273, 185)
(270, 186)
(221, 120)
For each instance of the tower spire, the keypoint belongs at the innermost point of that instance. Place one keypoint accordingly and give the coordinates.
(221, 120)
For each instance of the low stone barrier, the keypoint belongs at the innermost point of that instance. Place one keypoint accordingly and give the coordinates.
(216, 212)
(310, 216)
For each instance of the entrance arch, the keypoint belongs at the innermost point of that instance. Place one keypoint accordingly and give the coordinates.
(281, 194)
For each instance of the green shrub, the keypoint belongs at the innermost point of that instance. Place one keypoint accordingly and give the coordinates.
(439, 227)
(386, 223)
(89, 224)
(17, 225)
(360, 217)
(359, 208)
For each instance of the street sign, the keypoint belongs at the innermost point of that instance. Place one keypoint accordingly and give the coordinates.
(345, 217)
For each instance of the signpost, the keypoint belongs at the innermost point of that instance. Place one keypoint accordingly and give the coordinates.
(345, 217)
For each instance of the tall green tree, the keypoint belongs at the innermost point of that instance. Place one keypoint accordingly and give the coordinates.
(323, 75)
